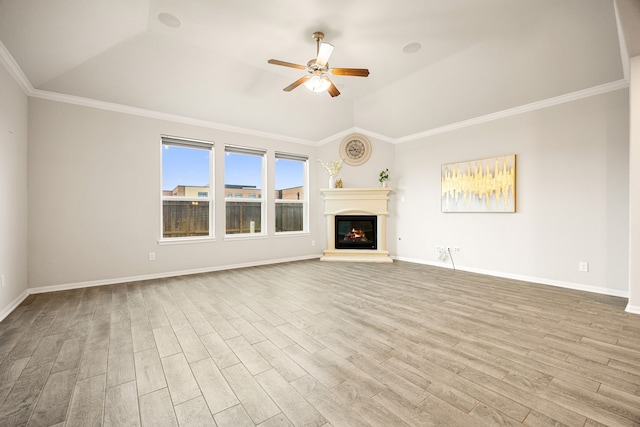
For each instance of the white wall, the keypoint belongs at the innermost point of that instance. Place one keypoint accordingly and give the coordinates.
(94, 207)
(95, 215)
(634, 182)
(13, 184)
(572, 196)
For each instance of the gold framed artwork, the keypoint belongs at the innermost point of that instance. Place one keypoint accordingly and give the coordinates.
(485, 185)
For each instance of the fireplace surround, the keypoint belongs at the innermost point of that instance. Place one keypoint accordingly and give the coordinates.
(356, 205)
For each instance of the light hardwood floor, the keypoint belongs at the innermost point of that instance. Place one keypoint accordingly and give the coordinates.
(321, 344)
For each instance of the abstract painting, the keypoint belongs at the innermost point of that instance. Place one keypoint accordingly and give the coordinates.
(486, 185)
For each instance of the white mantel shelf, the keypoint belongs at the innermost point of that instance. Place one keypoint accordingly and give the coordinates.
(356, 201)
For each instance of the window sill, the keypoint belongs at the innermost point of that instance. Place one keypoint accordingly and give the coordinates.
(292, 233)
(186, 240)
(245, 236)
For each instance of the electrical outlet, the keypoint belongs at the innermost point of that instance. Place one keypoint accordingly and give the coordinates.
(583, 266)
(152, 256)
(456, 249)
(313, 243)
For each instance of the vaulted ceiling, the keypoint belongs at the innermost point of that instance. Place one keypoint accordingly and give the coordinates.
(476, 57)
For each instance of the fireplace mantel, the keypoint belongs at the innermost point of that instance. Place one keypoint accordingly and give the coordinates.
(356, 201)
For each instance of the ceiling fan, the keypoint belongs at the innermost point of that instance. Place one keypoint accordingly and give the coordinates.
(317, 80)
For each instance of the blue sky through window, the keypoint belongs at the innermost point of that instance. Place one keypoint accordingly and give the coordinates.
(289, 173)
(190, 167)
(184, 166)
(243, 169)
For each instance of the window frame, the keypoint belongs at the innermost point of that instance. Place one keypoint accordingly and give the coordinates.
(194, 144)
(305, 199)
(263, 199)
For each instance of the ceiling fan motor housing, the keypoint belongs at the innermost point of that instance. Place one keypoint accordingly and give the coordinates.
(313, 67)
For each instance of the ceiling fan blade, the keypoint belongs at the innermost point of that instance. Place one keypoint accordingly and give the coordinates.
(333, 90)
(324, 53)
(286, 64)
(297, 83)
(357, 72)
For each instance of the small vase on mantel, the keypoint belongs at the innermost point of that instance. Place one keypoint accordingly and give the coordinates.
(384, 184)
(332, 181)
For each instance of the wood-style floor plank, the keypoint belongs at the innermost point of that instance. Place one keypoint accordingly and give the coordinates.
(87, 404)
(194, 413)
(55, 398)
(149, 373)
(253, 397)
(214, 387)
(156, 410)
(19, 404)
(294, 406)
(235, 416)
(180, 379)
(121, 406)
(312, 343)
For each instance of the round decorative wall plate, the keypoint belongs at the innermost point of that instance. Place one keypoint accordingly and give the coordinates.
(355, 149)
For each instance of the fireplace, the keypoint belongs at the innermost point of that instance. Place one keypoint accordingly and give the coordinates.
(356, 232)
(356, 224)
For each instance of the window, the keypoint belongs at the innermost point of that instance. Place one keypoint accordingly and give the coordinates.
(244, 176)
(187, 205)
(291, 192)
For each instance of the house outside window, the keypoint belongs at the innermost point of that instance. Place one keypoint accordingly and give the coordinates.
(187, 202)
(244, 175)
(291, 175)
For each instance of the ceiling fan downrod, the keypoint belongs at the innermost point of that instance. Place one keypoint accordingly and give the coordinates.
(317, 36)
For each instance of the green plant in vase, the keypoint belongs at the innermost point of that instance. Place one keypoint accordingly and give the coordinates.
(383, 177)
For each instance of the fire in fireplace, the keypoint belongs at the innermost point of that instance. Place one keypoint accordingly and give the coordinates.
(356, 232)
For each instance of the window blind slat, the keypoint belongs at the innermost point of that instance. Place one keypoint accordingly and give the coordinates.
(290, 156)
(244, 150)
(182, 142)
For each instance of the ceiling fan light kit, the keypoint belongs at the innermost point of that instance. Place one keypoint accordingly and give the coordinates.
(318, 84)
(317, 81)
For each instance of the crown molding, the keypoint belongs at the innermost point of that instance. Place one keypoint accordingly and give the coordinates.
(340, 135)
(142, 112)
(538, 105)
(10, 64)
(14, 70)
(624, 52)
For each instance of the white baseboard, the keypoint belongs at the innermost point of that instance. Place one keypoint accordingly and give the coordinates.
(13, 305)
(540, 280)
(42, 289)
(632, 309)
(77, 285)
